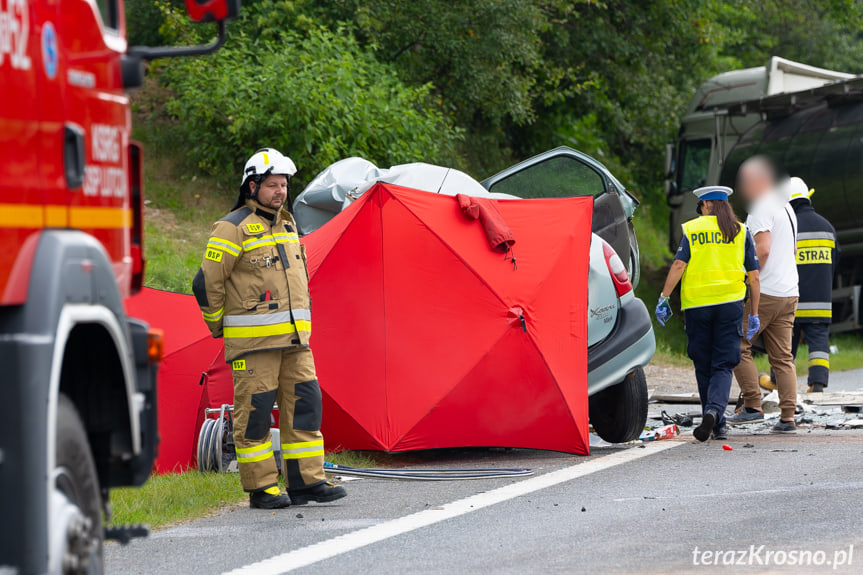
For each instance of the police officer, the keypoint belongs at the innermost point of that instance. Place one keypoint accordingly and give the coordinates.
(715, 255)
(253, 291)
(817, 255)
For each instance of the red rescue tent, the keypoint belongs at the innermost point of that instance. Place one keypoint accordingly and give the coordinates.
(425, 337)
(190, 350)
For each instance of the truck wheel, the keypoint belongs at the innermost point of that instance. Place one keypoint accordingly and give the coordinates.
(76, 511)
(618, 413)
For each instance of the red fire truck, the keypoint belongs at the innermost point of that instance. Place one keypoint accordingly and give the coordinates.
(77, 376)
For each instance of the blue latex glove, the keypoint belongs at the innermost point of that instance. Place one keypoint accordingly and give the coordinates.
(754, 326)
(663, 310)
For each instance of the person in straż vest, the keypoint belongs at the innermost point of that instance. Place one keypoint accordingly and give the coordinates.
(253, 291)
(817, 255)
(715, 256)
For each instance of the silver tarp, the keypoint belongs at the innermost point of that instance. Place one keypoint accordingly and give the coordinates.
(341, 183)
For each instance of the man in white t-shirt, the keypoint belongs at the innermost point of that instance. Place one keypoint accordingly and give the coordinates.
(774, 227)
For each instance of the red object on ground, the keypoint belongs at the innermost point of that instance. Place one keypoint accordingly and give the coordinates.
(499, 235)
(426, 338)
(727, 447)
(190, 350)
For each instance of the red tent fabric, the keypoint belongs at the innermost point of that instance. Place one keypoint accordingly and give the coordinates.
(190, 350)
(418, 333)
(424, 337)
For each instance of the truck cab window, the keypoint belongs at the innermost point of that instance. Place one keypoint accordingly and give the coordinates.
(556, 177)
(693, 164)
(109, 11)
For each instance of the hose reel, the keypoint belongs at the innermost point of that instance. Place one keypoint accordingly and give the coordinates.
(217, 453)
(216, 440)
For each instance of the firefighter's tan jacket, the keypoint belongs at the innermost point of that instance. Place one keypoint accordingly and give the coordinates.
(253, 285)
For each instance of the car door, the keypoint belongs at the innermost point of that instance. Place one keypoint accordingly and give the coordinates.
(564, 172)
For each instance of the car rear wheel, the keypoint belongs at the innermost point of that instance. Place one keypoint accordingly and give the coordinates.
(618, 413)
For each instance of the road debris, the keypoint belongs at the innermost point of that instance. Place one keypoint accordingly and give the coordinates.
(855, 398)
(664, 432)
(770, 402)
(727, 447)
(681, 419)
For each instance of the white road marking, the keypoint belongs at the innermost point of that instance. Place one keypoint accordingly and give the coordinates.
(305, 556)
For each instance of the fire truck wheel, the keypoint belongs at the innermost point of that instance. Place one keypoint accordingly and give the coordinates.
(618, 413)
(76, 522)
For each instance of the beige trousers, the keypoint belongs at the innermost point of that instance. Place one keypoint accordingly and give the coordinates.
(286, 377)
(777, 324)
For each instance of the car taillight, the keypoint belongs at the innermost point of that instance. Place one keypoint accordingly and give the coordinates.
(622, 285)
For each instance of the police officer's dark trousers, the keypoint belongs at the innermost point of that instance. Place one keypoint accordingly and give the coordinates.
(713, 344)
(817, 336)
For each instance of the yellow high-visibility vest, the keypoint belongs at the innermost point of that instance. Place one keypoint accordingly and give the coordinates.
(715, 272)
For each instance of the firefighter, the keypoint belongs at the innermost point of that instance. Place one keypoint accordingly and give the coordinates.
(715, 255)
(253, 291)
(817, 256)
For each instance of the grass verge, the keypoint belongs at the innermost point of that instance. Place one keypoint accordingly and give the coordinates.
(175, 497)
(180, 212)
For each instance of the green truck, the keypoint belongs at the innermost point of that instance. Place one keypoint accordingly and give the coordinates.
(809, 121)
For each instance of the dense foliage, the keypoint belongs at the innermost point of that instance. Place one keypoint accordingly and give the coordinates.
(475, 83)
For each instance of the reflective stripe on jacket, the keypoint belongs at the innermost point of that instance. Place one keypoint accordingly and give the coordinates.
(253, 286)
(715, 272)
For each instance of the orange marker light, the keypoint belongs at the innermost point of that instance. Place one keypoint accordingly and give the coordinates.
(155, 345)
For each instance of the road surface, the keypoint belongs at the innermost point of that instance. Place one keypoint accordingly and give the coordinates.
(667, 507)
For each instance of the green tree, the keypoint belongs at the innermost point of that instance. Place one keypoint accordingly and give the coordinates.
(318, 97)
(823, 33)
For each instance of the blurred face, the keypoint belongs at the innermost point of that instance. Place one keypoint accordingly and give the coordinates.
(754, 181)
(273, 191)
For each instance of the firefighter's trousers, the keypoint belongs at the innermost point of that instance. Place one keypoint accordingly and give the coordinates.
(818, 337)
(286, 377)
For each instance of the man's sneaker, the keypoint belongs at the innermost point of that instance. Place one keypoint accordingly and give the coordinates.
(320, 493)
(271, 498)
(816, 388)
(720, 432)
(784, 427)
(766, 382)
(746, 416)
(702, 432)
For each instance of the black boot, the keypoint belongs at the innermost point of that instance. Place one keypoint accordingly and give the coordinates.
(320, 493)
(264, 500)
(702, 432)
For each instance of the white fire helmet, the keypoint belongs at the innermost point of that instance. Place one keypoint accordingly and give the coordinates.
(797, 189)
(263, 163)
